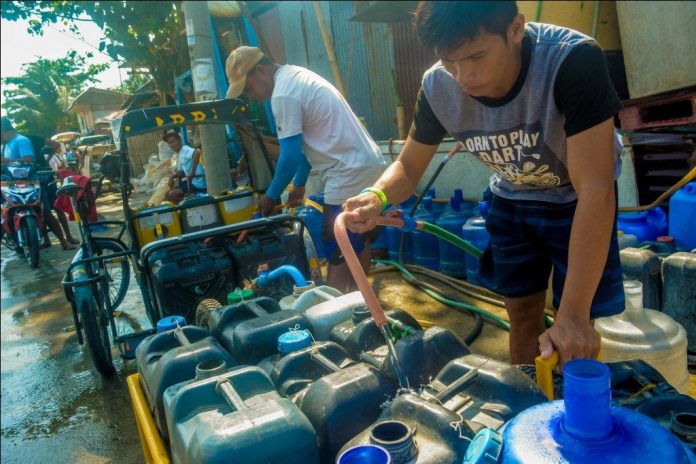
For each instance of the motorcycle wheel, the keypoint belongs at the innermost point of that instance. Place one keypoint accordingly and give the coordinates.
(31, 238)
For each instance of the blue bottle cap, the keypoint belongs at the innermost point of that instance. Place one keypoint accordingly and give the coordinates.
(294, 340)
(365, 454)
(170, 323)
(484, 448)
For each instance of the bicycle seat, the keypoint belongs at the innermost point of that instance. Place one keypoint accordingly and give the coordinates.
(68, 188)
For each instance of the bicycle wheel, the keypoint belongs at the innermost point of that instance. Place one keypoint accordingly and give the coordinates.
(118, 269)
(95, 326)
(31, 239)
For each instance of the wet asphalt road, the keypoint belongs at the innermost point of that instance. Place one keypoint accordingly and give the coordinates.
(55, 407)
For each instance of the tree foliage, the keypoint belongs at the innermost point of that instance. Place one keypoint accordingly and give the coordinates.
(144, 34)
(36, 100)
(133, 82)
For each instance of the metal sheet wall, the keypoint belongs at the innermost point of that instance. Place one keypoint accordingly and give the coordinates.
(380, 58)
(318, 59)
(291, 23)
(412, 60)
(351, 54)
(364, 53)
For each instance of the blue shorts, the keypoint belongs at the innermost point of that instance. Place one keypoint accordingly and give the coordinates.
(527, 239)
(333, 253)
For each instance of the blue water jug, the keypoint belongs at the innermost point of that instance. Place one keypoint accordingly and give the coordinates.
(438, 206)
(581, 428)
(452, 258)
(646, 225)
(682, 217)
(474, 231)
(425, 246)
(314, 220)
(394, 238)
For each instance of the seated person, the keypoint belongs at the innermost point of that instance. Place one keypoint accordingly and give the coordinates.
(190, 171)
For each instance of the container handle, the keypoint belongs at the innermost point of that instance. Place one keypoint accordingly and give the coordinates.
(181, 337)
(544, 371)
(225, 388)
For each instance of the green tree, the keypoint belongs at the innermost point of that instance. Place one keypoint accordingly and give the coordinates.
(134, 81)
(36, 100)
(144, 34)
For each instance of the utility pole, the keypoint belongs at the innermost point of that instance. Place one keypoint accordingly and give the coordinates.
(213, 140)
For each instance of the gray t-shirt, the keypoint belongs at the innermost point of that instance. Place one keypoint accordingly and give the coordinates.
(523, 140)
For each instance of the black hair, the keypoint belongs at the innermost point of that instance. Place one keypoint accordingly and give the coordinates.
(443, 26)
(170, 133)
(263, 61)
(6, 124)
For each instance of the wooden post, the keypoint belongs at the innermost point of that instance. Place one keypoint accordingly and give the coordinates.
(329, 48)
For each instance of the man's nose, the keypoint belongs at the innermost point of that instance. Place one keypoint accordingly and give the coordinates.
(462, 74)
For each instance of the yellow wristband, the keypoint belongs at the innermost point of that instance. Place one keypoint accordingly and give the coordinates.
(380, 194)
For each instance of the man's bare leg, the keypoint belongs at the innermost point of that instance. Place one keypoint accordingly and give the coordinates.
(339, 276)
(526, 324)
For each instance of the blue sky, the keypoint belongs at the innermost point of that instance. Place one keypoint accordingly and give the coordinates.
(17, 47)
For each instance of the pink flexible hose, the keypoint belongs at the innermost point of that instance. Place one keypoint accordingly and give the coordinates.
(356, 269)
(354, 264)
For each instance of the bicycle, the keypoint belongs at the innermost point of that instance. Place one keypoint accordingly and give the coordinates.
(96, 281)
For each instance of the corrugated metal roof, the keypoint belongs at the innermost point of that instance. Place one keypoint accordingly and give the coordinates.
(93, 94)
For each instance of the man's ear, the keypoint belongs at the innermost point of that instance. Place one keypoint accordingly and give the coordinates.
(515, 32)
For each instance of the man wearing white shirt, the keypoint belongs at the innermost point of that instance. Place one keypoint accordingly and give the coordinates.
(316, 130)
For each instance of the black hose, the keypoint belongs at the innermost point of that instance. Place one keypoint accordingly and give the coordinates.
(418, 201)
(478, 320)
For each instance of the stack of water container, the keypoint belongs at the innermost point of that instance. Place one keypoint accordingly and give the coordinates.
(425, 246)
(452, 219)
(461, 218)
(264, 379)
(396, 248)
(307, 380)
(658, 251)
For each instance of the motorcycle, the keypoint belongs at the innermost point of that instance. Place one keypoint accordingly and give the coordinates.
(22, 210)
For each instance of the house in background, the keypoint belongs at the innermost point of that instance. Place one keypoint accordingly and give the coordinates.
(94, 104)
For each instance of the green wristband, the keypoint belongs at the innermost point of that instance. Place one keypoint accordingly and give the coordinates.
(380, 194)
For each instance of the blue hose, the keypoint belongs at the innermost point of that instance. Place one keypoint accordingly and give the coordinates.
(267, 277)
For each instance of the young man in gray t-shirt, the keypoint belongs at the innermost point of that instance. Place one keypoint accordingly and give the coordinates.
(534, 102)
